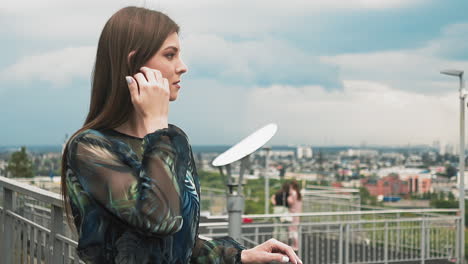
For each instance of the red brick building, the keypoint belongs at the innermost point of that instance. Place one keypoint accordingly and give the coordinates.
(386, 186)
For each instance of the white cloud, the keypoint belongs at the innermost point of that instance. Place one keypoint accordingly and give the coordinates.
(83, 19)
(58, 67)
(266, 60)
(412, 70)
(363, 112)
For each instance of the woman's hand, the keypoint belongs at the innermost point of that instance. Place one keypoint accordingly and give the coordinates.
(271, 250)
(273, 200)
(150, 98)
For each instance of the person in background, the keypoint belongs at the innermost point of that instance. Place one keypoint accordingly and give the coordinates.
(280, 206)
(294, 207)
(280, 199)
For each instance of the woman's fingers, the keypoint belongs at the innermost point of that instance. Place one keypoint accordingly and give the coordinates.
(141, 81)
(281, 247)
(133, 88)
(278, 258)
(149, 74)
(166, 85)
(158, 76)
(152, 79)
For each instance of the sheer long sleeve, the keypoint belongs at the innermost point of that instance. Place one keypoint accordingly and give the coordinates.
(142, 191)
(219, 250)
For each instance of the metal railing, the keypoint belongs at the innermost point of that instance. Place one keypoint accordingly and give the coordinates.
(213, 201)
(387, 236)
(33, 230)
(23, 239)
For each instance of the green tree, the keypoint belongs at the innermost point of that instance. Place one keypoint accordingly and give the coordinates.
(367, 198)
(450, 171)
(19, 164)
(451, 197)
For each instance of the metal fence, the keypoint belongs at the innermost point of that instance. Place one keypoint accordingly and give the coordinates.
(213, 201)
(33, 227)
(415, 236)
(33, 230)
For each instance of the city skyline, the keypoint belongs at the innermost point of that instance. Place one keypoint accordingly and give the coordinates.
(328, 72)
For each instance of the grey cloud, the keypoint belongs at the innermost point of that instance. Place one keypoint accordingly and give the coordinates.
(262, 61)
(452, 44)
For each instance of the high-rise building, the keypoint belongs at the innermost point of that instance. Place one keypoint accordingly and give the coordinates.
(304, 152)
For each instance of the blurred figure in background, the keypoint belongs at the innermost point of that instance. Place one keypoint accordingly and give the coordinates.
(294, 202)
(280, 206)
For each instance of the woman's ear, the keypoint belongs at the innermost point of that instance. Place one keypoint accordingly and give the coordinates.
(130, 55)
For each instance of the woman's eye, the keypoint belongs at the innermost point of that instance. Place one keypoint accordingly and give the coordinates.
(170, 55)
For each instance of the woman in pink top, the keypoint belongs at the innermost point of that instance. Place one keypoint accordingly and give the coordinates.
(295, 206)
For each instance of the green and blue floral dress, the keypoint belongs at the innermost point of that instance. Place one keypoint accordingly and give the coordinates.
(137, 200)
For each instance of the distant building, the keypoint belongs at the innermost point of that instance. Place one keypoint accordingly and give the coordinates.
(450, 149)
(418, 180)
(304, 152)
(360, 153)
(414, 161)
(437, 145)
(3, 165)
(418, 184)
(278, 154)
(386, 186)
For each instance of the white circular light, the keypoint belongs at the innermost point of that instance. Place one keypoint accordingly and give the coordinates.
(246, 146)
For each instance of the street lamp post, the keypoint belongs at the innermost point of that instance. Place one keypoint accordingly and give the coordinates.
(462, 91)
(267, 180)
(241, 151)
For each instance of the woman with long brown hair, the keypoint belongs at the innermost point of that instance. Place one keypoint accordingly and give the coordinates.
(294, 207)
(129, 181)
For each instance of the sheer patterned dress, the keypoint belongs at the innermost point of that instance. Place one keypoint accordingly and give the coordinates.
(137, 200)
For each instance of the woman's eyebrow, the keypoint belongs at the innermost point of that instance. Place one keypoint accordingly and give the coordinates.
(172, 47)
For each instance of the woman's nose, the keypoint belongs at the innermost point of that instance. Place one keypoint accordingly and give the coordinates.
(182, 68)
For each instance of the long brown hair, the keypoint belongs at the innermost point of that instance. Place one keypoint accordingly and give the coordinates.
(130, 29)
(295, 185)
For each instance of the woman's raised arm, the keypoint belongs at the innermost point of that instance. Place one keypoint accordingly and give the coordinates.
(144, 192)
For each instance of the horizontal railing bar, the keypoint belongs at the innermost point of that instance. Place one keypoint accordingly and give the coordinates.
(393, 211)
(249, 240)
(212, 189)
(330, 188)
(32, 191)
(17, 216)
(330, 191)
(66, 240)
(327, 195)
(219, 225)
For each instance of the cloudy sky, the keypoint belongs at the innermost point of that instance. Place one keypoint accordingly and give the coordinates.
(328, 72)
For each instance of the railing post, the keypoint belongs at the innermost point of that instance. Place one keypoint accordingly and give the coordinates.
(7, 247)
(56, 228)
(340, 245)
(299, 240)
(386, 243)
(423, 242)
(398, 235)
(457, 241)
(347, 244)
(2, 218)
(256, 236)
(427, 237)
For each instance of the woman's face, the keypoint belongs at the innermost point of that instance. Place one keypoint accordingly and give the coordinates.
(168, 61)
